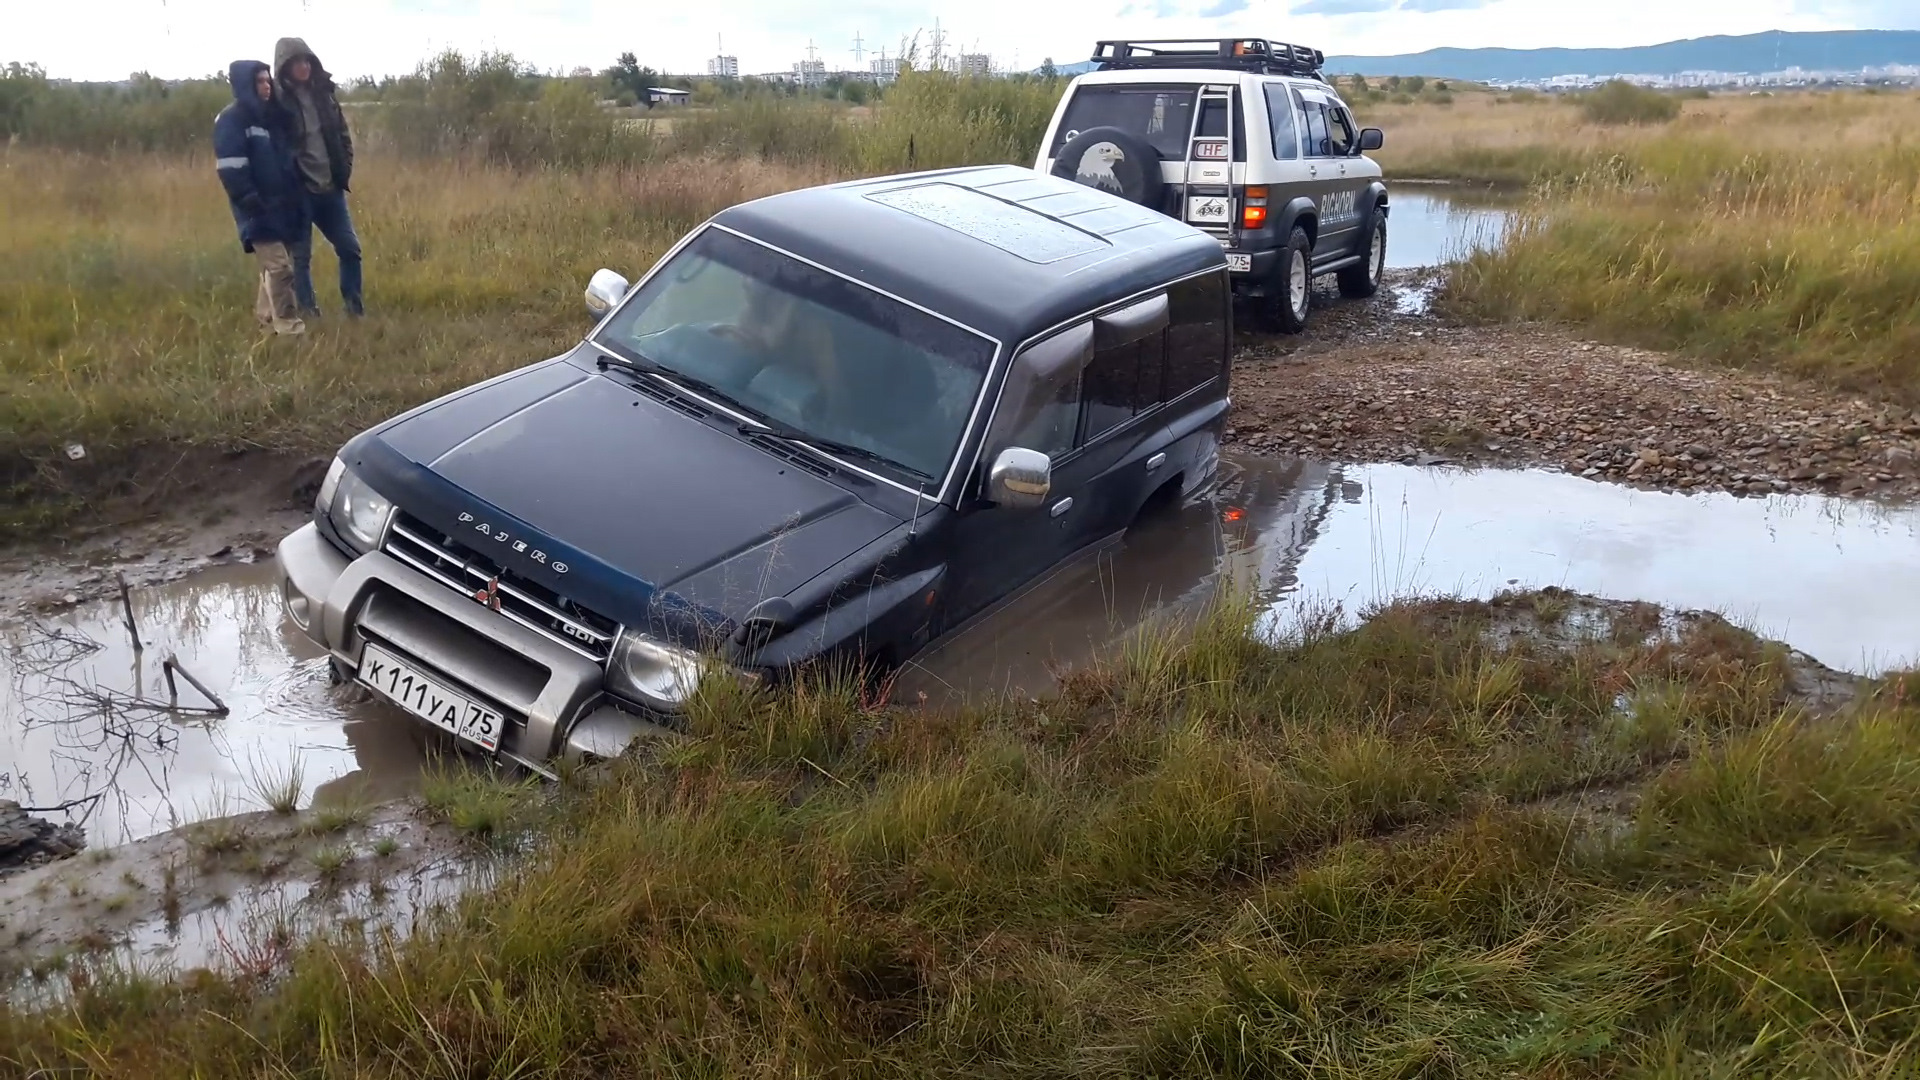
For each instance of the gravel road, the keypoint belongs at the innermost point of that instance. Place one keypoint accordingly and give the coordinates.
(1372, 381)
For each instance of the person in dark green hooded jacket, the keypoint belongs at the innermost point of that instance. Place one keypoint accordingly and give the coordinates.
(323, 149)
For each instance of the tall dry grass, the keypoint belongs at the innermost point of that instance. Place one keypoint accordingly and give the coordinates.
(1773, 232)
(126, 303)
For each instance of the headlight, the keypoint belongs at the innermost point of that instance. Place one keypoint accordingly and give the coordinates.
(358, 512)
(649, 673)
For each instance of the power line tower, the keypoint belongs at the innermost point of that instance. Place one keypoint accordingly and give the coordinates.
(939, 44)
(859, 49)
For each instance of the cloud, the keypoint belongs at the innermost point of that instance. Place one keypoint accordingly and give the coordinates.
(1222, 8)
(1342, 7)
(1442, 5)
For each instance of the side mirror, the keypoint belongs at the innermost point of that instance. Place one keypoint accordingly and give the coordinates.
(1020, 479)
(1372, 139)
(604, 290)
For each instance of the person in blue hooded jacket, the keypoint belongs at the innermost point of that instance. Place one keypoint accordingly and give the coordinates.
(253, 153)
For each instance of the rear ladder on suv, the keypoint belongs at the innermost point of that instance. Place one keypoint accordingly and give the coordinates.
(1208, 171)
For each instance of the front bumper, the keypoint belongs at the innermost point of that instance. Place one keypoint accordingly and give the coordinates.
(551, 696)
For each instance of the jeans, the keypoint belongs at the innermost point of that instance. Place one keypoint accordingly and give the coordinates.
(328, 211)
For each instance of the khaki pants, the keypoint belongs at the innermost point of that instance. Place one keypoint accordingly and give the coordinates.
(273, 305)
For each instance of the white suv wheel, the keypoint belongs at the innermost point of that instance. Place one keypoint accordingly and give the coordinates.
(1298, 284)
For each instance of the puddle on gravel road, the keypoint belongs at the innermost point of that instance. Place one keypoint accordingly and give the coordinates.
(1837, 579)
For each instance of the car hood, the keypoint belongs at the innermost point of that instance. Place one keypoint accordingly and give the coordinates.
(626, 503)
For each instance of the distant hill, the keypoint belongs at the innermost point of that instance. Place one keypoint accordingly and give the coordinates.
(1837, 50)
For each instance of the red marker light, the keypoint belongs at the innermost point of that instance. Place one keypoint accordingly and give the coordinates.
(1235, 514)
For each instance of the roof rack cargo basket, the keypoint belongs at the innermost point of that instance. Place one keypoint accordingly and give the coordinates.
(1256, 55)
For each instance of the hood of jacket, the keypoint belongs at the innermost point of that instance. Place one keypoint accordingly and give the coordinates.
(289, 49)
(240, 75)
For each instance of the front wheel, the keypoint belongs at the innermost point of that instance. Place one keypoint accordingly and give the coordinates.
(1295, 293)
(1363, 280)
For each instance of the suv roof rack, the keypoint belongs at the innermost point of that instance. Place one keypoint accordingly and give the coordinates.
(1257, 55)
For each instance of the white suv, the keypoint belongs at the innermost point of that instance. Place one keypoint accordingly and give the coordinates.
(1242, 139)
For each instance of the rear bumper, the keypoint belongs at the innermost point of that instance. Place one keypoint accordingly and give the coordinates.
(551, 696)
(1259, 279)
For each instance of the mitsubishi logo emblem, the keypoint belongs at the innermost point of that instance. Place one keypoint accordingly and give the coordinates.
(490, 595)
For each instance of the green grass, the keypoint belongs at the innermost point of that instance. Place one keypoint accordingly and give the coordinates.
(1793, 260)
(1382, 853)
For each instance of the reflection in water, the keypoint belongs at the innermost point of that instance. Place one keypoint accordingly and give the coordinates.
(152, 771)
(1431, 225)
(1835, 578)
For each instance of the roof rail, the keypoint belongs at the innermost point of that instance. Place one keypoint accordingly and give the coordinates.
(1257, 55)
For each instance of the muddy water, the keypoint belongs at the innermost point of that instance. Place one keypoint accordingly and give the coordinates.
(1837, 579)
(1434, 224)
(68, 733)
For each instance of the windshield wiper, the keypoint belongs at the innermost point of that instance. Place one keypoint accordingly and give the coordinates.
(643, 365)
(777, 430)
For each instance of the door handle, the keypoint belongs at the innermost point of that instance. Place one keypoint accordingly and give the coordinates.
(1062, 507)
(1156, 461)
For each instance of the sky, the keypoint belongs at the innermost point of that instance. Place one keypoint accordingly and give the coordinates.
(179, 38)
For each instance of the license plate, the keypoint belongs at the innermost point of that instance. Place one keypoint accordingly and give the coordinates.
(1209, 209)
(1240, 262)
(428, 698)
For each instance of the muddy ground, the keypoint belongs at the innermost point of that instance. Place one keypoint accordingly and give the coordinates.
(1375, 381)
(230, 890)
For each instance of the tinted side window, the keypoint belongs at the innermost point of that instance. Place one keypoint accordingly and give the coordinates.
(1050, 427)
(1339, 131)
(1280, 117)
(1113, 384)
(1196, 334)
(1316, 117)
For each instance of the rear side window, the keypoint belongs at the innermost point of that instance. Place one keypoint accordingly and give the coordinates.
(1282, 121)
(1196, 334)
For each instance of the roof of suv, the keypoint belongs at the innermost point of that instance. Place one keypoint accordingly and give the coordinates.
(1003, 249)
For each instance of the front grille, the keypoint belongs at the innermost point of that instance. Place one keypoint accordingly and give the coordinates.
(526, 602)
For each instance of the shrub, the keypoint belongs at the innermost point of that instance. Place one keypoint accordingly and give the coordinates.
(1621, 102)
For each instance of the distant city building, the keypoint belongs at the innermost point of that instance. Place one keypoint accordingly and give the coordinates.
(976, 65)
(667, 95)
(886, 69)
(810, 72)
(724, 67)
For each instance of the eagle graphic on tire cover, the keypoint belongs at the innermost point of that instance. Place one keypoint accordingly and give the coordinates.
(1096, 167)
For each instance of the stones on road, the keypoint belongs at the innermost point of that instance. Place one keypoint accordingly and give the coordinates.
(1537, 396)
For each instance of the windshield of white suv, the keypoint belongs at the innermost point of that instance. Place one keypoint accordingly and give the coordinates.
(808, 350)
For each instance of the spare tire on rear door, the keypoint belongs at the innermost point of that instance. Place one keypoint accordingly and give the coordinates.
(1115, 160)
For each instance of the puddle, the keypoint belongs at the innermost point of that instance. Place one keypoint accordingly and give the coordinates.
(133, 772)
(1834, 578)
(1433, 224)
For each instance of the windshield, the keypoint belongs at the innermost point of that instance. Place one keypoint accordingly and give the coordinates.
(808, 350)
